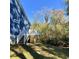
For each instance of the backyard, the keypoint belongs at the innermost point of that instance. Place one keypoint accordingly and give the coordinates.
(38, 51)
(39, 29)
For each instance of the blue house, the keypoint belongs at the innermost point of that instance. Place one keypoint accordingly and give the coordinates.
(19, 23)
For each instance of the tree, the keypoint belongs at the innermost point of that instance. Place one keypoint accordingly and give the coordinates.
(67, 6)
(42, 15)
(59, 26)
(54, 32)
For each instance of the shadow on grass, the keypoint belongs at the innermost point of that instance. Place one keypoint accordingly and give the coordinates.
(34, 53)
(60, 52)
(18, 54)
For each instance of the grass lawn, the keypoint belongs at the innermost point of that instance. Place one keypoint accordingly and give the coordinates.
(38, 51)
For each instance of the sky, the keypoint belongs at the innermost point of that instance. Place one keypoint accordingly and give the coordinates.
(32, 6)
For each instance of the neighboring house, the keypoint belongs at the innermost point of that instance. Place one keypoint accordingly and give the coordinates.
(33, 36)
(19, 23)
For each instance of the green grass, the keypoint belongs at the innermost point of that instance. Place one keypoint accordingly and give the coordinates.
(31, 52)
